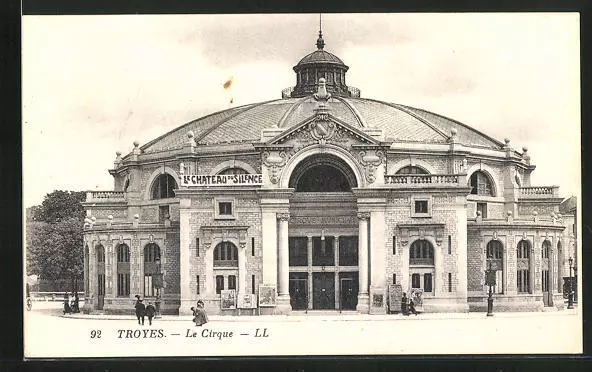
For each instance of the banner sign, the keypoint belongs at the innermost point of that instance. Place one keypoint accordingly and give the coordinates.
(221, 180)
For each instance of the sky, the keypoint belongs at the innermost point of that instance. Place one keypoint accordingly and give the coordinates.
(92, 85)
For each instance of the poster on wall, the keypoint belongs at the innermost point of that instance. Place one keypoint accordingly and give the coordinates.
(228, 299)
(395, 295)
(247, 301)
(267, 295)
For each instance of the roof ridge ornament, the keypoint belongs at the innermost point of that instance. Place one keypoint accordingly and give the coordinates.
(322, 96)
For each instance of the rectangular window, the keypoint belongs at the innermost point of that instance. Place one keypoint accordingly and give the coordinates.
(163, 213)
(421, 206)
(225, 209)
(415, 281)
(394, 244)
(197, 247)
(523, 281)
(231, 282)
(297, 251)
(427, 282)
(482, 207)
(123, 284)
(197, 284)
(219, 283)
(449, 282)
(348, 250)
(449, 244)
(394, 278)
(148, 286)
(253, 284)
(252, 246)
(322, 251)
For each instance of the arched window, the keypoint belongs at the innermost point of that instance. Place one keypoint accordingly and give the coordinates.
(411, 170)
(151, 252)
(481, 184)
(151, 268)
(523, 270)
(495, 250)
(546, 249)
(523, 250)
(495, 261)
(235, 170)
(421, 252)
(123, 254)
(100, 253)
(226, 255)
(123, 270)
(163, 186)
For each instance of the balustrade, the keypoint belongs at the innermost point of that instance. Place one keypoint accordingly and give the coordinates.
(423, 179)
(105, 196)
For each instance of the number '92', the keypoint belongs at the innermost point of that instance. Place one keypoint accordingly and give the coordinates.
(95, 333)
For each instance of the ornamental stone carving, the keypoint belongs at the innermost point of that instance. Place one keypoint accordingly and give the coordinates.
(364, 215)
(283, 217)
(370, 160)
(275, 162)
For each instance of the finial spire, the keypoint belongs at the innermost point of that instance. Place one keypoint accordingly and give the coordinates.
(320, 41)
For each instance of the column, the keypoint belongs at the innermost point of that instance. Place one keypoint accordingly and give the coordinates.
(269, 246)
(378, 256)
(242, 285)
(337, 281)
(185, 258)
(461, 254)
(309, 270)
(283, 303)
(363, 305)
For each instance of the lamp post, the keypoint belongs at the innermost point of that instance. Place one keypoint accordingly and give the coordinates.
(490, 281)
(157, 285)
(570, 295)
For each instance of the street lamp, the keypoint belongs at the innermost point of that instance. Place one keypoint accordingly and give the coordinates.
(570, 295)
(157, 285)
(490, 281)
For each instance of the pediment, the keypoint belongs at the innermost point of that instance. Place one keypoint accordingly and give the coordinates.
(323, 128)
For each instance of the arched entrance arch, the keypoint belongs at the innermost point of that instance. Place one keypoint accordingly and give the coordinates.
(322, 243)
(322, 173)
(329, 152)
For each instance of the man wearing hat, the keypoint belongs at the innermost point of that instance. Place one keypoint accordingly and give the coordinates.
(140, 310)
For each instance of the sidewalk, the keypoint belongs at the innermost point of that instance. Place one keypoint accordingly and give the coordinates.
(299, 317)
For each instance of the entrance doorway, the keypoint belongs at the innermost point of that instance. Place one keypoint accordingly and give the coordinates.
(323, 287)
(348, 290)
(299, 291)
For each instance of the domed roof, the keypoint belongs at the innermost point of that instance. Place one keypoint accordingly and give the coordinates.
(320, 57)
(244, 124)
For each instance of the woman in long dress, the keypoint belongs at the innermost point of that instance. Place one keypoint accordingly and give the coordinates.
(200, 317)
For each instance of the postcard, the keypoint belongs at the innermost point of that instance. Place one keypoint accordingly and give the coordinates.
(301, 184)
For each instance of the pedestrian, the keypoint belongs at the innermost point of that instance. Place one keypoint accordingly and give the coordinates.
(150, 311)
(140, 310)
(404, 308)
(75, 302)
(200, 317)
(67, 308)
(412, 307)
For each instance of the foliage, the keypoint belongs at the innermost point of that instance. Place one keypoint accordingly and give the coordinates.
(54, 236)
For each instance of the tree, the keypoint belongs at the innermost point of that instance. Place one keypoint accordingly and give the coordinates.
(54, 237)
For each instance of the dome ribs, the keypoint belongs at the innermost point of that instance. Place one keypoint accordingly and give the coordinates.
(214, 127)
(354, 111)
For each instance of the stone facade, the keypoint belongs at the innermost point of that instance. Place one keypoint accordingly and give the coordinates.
(226, 212)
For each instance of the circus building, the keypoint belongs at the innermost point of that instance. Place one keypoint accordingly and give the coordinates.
(324, 200)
